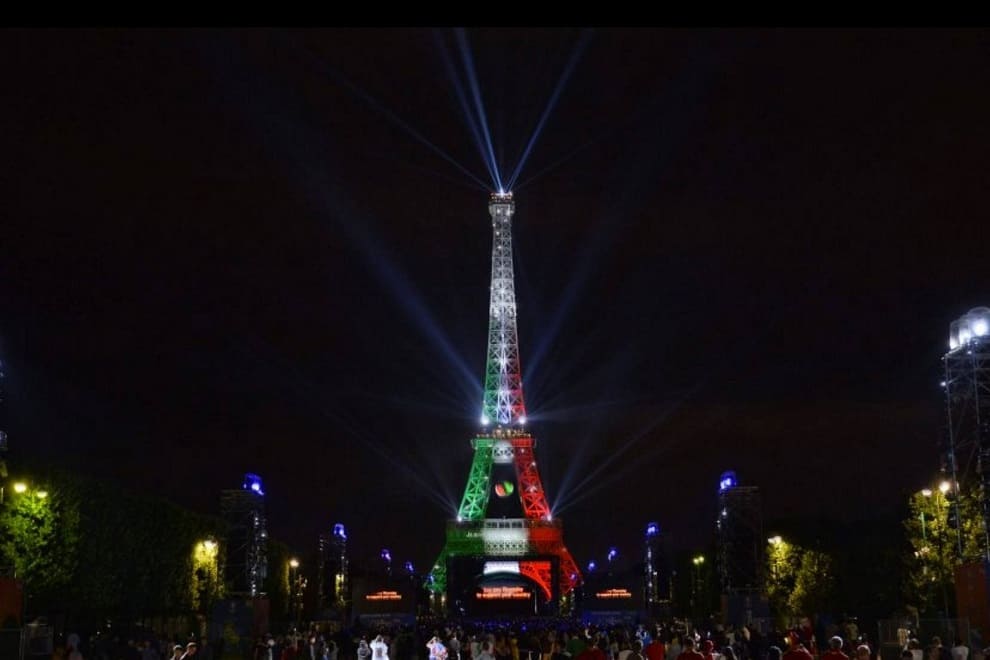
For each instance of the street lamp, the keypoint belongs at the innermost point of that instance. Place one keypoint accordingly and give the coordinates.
(696, 587)
(293, 564)
(21, 487)
(207, 548)
(944, 487)
(775, 547)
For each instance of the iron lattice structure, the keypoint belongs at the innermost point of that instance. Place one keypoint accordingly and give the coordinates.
(504, 444)
(503, 377)
(967, 398)
(739, 524)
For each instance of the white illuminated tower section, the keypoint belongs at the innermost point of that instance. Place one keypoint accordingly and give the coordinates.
(503, 403)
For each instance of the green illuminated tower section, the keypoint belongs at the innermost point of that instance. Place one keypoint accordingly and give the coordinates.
(475, 501)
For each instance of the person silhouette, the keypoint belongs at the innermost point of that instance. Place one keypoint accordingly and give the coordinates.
(379, 649)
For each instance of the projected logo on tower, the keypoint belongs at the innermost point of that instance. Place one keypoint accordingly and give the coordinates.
(504, 489)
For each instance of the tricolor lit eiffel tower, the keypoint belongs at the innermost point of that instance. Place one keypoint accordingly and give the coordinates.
(512, 535)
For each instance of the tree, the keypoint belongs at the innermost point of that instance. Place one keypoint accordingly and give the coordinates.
(814, 584)
(40, 537)
(90, 551)
(934, 546)
(800, 581)
(277, 582)
(205, 587)
(783, 561)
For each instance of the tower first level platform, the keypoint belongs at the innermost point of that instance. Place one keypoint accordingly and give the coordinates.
(505, 541)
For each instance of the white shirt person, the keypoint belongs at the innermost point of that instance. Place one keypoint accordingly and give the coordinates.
(379, 649)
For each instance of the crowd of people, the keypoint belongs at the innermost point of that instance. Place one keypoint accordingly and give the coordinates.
(536, 639)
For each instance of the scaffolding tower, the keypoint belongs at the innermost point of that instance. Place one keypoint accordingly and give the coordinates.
(650, 566)
(967, 399)
(246, 563)
(333, 569)
(739, 527)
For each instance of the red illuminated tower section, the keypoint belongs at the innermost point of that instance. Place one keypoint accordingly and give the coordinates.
(504, 528)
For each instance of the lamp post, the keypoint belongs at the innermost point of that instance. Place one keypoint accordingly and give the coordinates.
(293, 566)
(774, 542)
(944, 487)
(697, 589)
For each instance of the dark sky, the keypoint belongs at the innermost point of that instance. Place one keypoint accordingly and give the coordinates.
(231, 251)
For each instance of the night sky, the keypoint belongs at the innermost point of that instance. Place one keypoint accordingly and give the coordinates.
(232, 251)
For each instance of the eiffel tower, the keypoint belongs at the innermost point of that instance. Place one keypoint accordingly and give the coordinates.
(513, 533)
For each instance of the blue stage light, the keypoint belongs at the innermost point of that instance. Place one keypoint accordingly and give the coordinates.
(252, 482)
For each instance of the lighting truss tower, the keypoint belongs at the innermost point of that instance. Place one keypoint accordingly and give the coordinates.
(739, 525)
(517, 523)
(967, 398)
(243, 510)
(333, 569)
(650, 572)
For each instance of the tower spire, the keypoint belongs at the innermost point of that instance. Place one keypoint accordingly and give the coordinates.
(503, 401)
